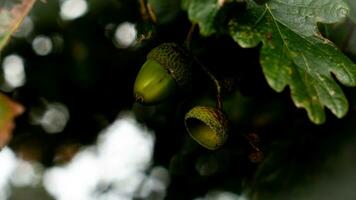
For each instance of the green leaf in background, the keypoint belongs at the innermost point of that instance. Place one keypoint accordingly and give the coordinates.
(352, 5)
(294, 53)
(12, 13)
(204, 13)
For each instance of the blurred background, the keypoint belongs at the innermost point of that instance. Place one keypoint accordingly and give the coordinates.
(73, 63)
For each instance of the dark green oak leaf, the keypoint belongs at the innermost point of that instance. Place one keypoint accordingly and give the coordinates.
(294, 53)
(211, 15)
(12, 12)
(204, 13)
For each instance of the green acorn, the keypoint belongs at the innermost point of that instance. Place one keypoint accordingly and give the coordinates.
(166, 69)
(208, 126)
(163, 11)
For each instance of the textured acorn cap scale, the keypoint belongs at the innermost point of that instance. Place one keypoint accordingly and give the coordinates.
(166, 69)
(208, 126)
(175, 60)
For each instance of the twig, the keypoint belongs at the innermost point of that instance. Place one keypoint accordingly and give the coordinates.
(187, 43)
(143, 9)
(151, 13)
(219, 105)
(189, 37)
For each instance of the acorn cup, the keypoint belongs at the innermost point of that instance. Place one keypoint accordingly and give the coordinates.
(166, 70)
(208, 126)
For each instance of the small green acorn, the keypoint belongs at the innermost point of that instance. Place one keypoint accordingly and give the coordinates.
(163, 11)
(208, 126)
(166, 70)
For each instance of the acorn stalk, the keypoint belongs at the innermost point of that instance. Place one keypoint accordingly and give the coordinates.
(163, 11)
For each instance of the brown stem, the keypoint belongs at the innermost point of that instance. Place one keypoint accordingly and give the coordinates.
(187, 43)
(189, 37)
(152, 13)
(143, 9)
(219, 104)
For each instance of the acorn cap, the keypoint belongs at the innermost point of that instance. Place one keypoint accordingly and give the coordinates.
(208, 126)
(175, 61)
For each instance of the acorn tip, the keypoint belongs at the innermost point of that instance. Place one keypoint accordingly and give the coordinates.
(138, 98)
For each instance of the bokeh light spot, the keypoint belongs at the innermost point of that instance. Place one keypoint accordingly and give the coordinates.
(72, 9)
(112, 169)
(55, 118)
(125, 35)
(42, 45)
(14, 71)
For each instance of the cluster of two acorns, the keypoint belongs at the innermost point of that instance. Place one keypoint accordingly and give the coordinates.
(167, 70)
